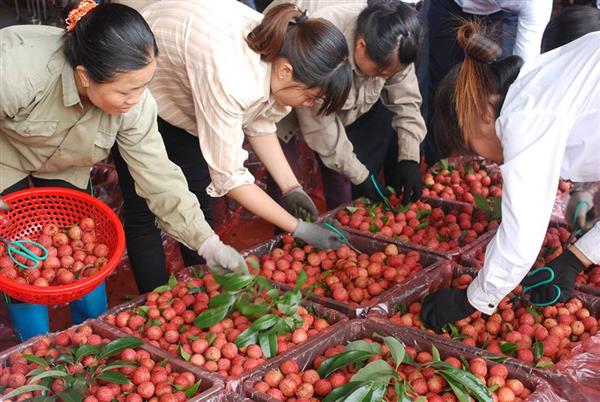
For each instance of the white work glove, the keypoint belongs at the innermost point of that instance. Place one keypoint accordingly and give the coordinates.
(580, 212)
(317, 235)
(221, 258)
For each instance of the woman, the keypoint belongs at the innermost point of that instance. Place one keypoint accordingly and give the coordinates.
(225, 72)
(380, 124)
(539, 121)
(67, 97)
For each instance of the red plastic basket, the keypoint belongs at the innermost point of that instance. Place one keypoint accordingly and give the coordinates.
(33, 208)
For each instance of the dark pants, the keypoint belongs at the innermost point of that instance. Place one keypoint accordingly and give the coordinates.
(376, 146)
(144, 244)
(444, 19)
(24, 184)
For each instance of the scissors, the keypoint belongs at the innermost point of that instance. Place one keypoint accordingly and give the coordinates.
(544, 282)
(18, 247)
(386, 201)
(342, 236)
(577, 232)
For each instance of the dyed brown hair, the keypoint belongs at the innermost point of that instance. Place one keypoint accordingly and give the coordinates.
(315, 48)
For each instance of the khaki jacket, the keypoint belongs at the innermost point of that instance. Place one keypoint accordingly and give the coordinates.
(45, 132)
(326, 135)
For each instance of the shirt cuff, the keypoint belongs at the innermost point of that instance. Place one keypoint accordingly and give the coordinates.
(589, 244)
(479, 298)
(360, 176)
(221, 185)
(408, 149)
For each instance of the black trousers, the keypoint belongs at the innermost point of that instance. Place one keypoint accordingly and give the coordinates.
(144, 244)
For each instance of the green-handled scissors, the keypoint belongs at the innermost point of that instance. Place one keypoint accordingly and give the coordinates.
(544, 282)
(18, 247)
(386, 201)
(342, 236)
(577, 232)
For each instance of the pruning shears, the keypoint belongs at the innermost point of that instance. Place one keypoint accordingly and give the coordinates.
(386, 201)
(18, 247)
(577, 232)
(342, 236)
(543, 282)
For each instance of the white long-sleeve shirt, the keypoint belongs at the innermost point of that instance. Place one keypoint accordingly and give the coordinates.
(549, 127)
(533, 18)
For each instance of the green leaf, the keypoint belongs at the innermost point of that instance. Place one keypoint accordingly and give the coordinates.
(49, 374)
(397, 350)
(372, 213)
(342, 360)
(113, 377)
(211, 317)
(435, 353)
(496, 208)
(162, 289)
(251, 310)
(536, 316)
(142, 310)
(340, 393)
(421, 398)
(444, 164)
(222, 300)
(402, 395)
(232, 281)
(70, 395)
(377, 394)
(405, 208)
(482, 204)
(538, 350)
(65, 358)
(373, 228)
(301, 279)
(458, 389)
(471, 383)
(24, 389)
(508, 348)
(118, 345)
(35, 359)
(422, 225)
(359, 393)
(248, 337)
(351, 209)
(402, 308)
(378, 371)
(197, 289)
(33, 372)
(163, 363)
(117, 364)
(184, 355)
(268, 343)
(496, 359)
(44, 398)
(264, 283)
(86, 350)
(192, 389)
(543, 364)
(265, 322)
(252, 262)
(172, 281)
(422, 213)
(372, 347)
(494, 387)
(210, 338)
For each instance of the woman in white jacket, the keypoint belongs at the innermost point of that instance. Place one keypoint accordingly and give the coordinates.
(540, 121)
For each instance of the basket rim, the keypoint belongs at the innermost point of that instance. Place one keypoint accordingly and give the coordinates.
(76, 285)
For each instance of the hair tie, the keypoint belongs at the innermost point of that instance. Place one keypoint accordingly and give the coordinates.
(77, 13)
(301, 19)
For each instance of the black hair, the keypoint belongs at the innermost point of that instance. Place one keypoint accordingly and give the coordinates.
(463, 92)
(570, 24)
(316, 49)
(391, 30)
(108, 40)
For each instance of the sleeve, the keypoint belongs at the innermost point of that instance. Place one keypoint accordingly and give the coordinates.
(589, 244)
(401, 95)
(158, 180)
(327, 136)
(219, 118)
(266, 123)
(533, 18)
(534, 146)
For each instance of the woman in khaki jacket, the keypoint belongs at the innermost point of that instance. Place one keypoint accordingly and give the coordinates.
(380, 123)
(226, 73)
(67, 97)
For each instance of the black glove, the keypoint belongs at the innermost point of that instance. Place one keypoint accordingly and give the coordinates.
(407, 181)
(445, 306)
(367, 189)
(566, 267)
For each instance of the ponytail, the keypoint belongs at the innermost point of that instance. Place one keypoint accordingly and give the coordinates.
(315, 48)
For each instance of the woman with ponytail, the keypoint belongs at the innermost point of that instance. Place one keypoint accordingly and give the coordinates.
(540, 121)
(66, 97)
(224, 73)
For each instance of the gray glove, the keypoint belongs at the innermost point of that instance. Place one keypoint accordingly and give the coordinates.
(299, 204)
(580, 212)
(4, 206)
(221, 258)
(317, 235)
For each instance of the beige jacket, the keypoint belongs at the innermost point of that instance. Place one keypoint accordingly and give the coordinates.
(326, 135)
(45, 132)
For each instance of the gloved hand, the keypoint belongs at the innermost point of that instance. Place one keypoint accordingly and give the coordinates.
(407, 181)
(367, 188)
(317, 235)
(445, 306)
(580, 213)
(221, 258)
(566, 267)
(299, 204)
